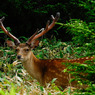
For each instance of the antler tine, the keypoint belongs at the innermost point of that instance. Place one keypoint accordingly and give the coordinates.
(48, 27)
(57, 16)
(29, 40)
(2, 19)
(6, 32)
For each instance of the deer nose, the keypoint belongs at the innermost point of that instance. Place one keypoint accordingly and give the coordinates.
(18, 56)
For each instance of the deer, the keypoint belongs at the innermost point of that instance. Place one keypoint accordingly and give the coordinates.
(43, 70)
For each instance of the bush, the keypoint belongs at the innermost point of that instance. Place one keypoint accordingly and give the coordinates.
(83, 35)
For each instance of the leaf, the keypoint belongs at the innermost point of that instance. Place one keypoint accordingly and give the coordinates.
(61, 55)
(12, 91)
(5, 54)
(58, 44)
(1, 31)
(41, 88)
(2, 92)
(15, 63)
(49, 93)
(80, 82)
(54, 79)
(65, 70)
(8, 28)
(69, 48)
(69, 91)
(40, 55)
(18, 78)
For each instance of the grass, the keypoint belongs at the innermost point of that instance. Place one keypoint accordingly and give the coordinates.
(14, 80)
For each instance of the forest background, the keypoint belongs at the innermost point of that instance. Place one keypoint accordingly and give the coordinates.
(25, 16)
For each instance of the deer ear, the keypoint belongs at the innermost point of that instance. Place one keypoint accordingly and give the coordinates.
(34, 44)
(10, 44)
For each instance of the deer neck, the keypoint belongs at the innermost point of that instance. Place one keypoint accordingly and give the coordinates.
(32, 67)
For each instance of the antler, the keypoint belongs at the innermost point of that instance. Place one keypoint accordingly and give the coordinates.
(6, 31)
(48, 27)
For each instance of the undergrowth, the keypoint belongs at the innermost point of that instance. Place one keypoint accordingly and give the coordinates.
(14, 80)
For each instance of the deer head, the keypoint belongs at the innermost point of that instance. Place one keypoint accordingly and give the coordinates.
(23, 49)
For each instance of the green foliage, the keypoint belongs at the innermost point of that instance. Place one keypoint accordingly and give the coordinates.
(84, 74)
(12, 91)
(49, 49)
(83, 35)
(88, 5)
(31, 12)
(46, 46)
